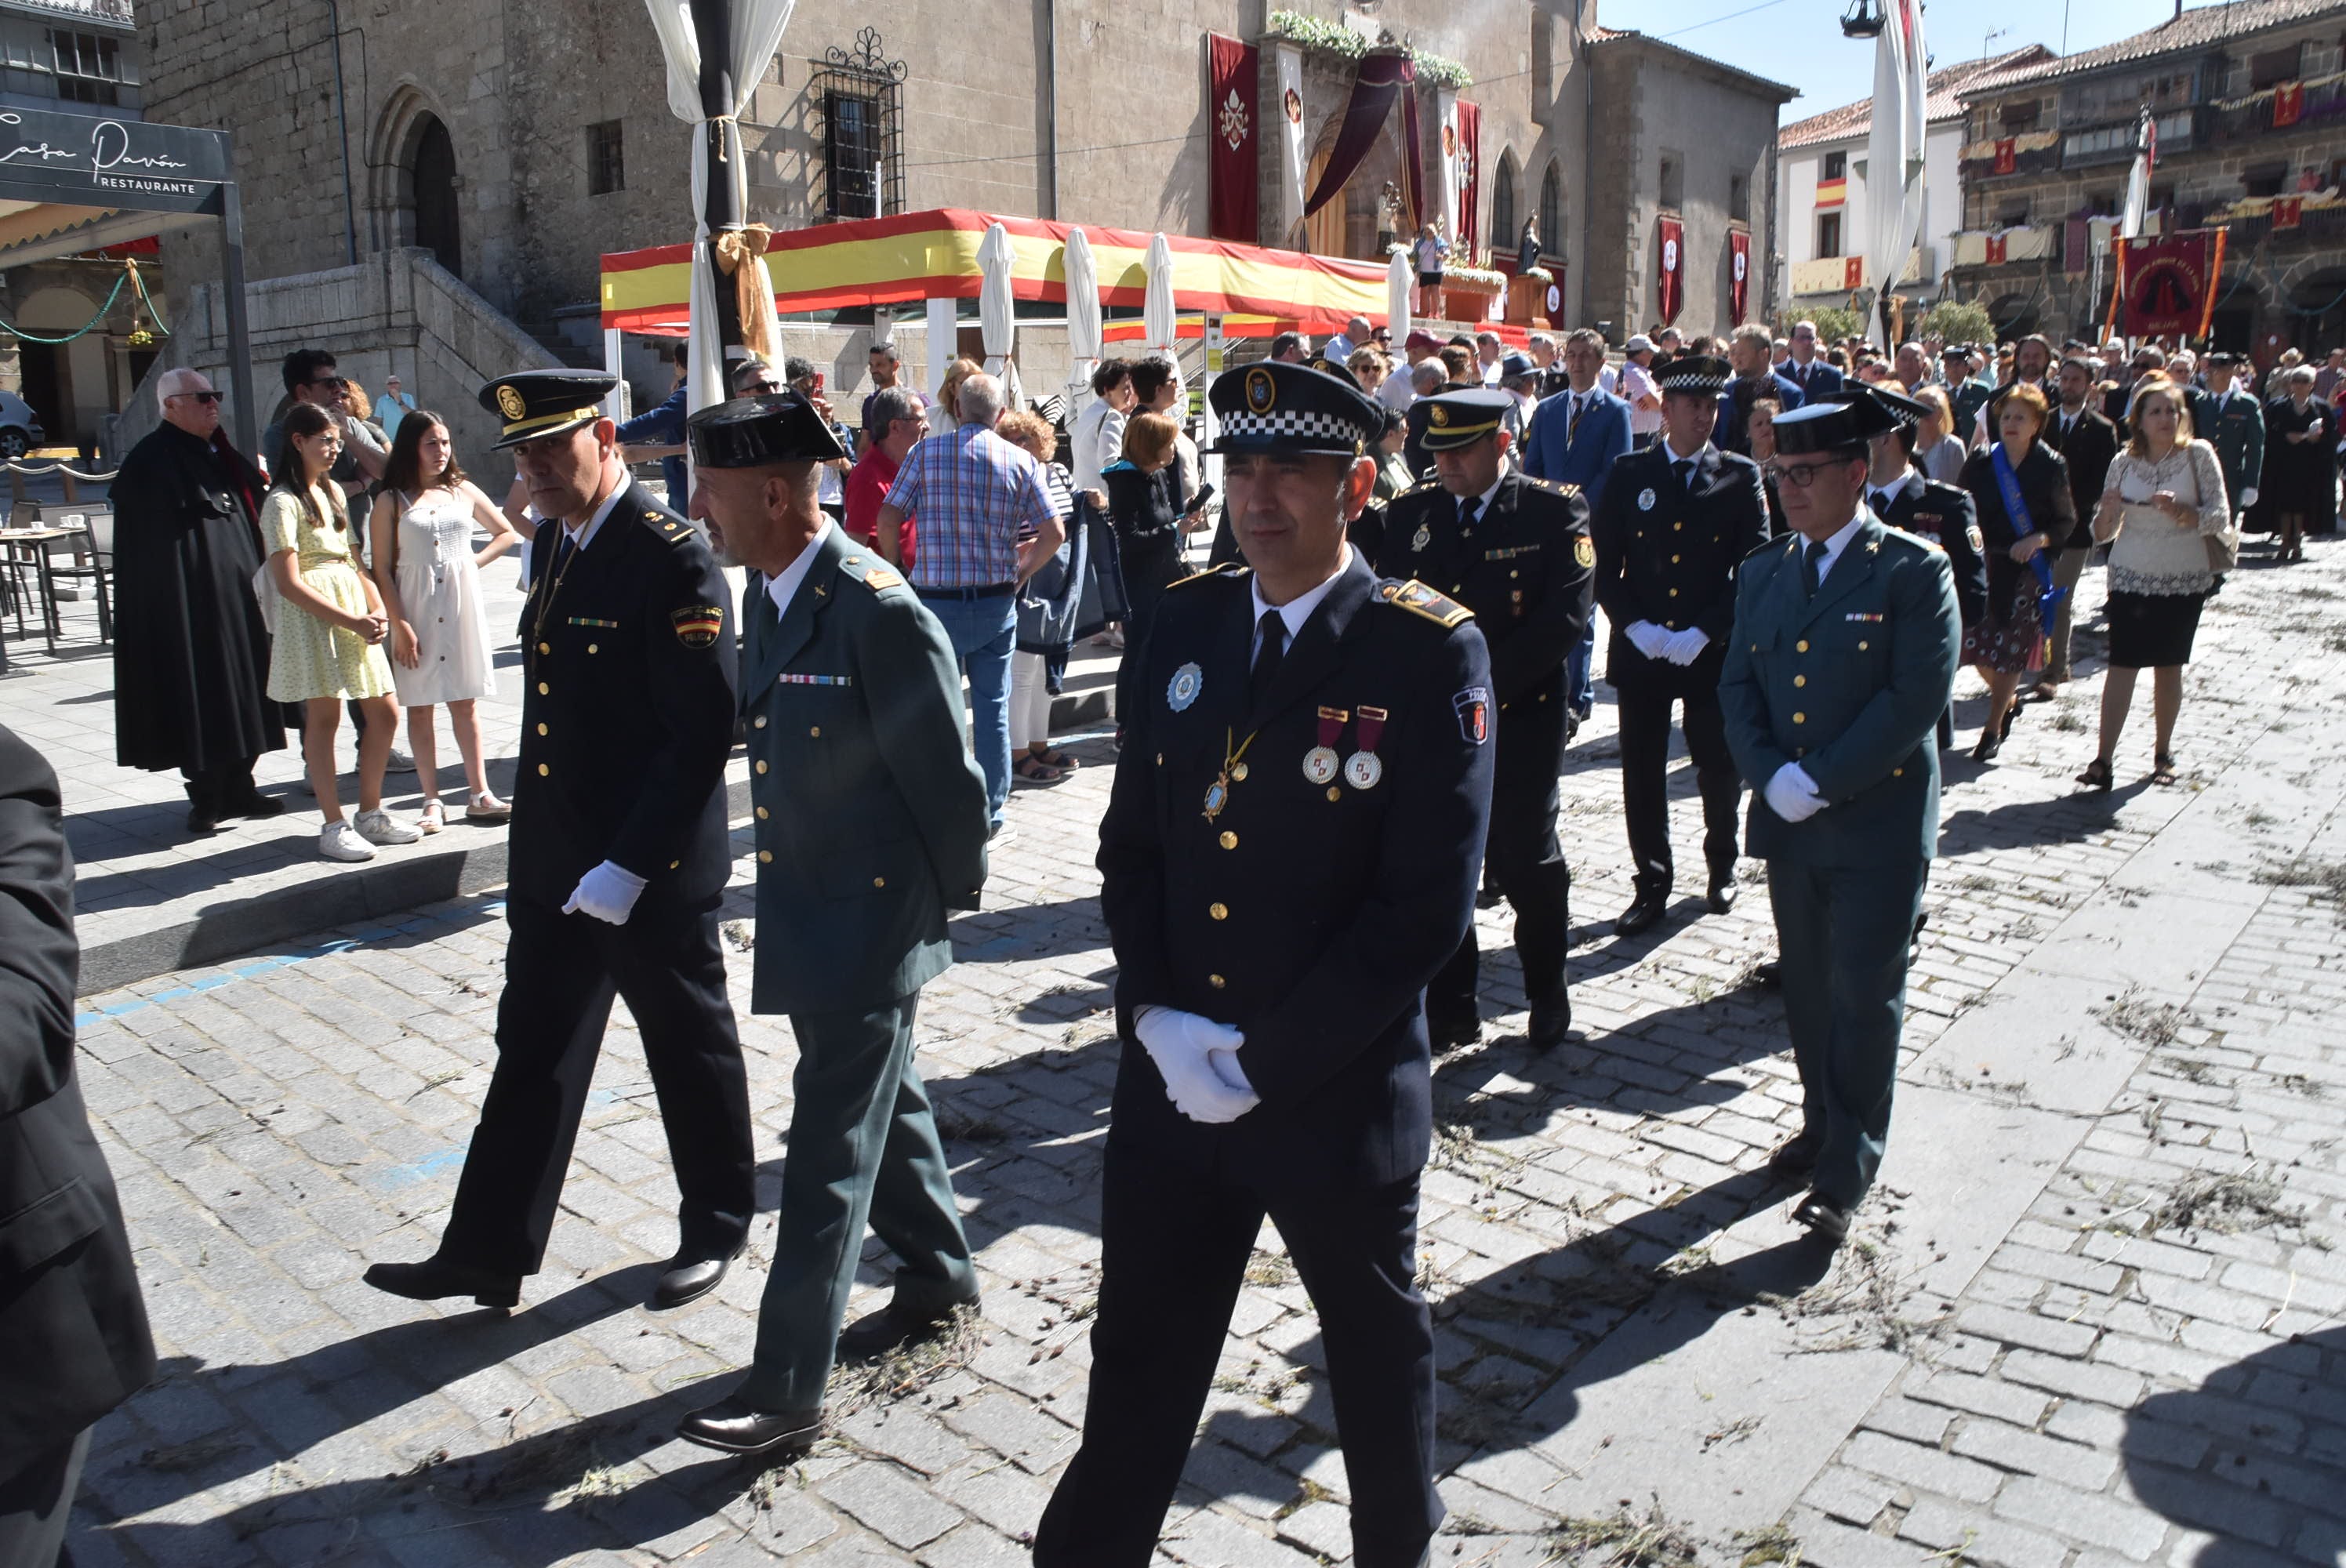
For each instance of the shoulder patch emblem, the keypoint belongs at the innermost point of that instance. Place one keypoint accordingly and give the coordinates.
(1420, 600)
(1584, 551)
(880, 578)
(1971, 536)
(696, 625)
(1226, 569)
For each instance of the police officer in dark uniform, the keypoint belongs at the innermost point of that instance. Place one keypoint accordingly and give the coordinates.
(1842, 656)
(1898, 493)
(619, 858)
(1290, 851)
(1517, 552)
(1678, 517)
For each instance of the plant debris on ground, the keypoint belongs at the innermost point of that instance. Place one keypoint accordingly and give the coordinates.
(907, 1370)
(1625, 1539)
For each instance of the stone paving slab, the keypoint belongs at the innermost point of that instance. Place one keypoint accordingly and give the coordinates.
(2091, 1318)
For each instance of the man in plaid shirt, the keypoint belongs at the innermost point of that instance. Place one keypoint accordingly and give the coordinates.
(987, 521)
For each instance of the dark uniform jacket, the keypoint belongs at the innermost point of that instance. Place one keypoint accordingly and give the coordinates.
(2044, 480)
(1310, 915)
(1667, 552)
(2236, 431)
(871, 816)
(70, 1313)
(627, 711)
(1944, 515)
(1850, 685)
(1524, 569)
(2089, 448)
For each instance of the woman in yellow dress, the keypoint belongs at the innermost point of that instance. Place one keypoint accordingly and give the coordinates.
(330, 630)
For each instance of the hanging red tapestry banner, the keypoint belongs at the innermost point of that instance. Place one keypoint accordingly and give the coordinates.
(1470, 179)
(1672, 250)
(2168, 286)
(1738, 274)
(1233, 77)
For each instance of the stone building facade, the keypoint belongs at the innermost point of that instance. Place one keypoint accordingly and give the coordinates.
(2249, 100)
(517, 140)
(1677, 135)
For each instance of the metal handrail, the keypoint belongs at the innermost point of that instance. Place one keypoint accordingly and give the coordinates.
(31, 471)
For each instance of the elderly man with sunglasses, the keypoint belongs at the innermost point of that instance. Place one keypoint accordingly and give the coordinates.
(191, 654)
(1842, 656)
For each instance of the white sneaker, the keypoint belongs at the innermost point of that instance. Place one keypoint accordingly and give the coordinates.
(337, 841)
(379, 827)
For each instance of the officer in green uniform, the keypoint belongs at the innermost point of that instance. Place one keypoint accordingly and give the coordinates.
(2230, 419)
(1517, 552)
(870, 824)
(1843, 653)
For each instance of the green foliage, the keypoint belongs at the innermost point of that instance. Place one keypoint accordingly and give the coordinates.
(1335, 38)
(1834, 324)
(1957, 322)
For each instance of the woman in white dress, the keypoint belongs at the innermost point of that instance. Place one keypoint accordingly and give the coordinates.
(429, 575)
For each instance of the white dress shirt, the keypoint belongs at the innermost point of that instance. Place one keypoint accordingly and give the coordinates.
(783, 585)
(1838, 542)
(1296, 610)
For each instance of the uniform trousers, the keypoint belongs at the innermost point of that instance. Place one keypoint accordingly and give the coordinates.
(1645, 713)
(561, 974)
(1844, 932)
(1521, 858)
(864, 1149)
(1174, 1247)
(37, 1501)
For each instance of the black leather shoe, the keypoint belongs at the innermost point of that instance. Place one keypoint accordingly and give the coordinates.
(1794, 1157)
(435, 1278)
(688, 1279)
(1723, 893)
(1551, 1021)
(1451, 1034)
(1769, 976)
(891, 1328)
(1645, 911)
(730, 1426)
(257, 806)
(201, 821)
(1823, 1217)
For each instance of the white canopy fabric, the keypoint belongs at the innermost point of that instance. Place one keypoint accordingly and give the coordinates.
(1893, 172)
(1083, 317)
(1156, 305)
(758, 27)
(1400, 282)
(997, 315)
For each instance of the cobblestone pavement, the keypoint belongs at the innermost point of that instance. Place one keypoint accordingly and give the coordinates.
(2091, 1318)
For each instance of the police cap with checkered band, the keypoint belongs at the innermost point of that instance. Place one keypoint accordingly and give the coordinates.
(1278, 408)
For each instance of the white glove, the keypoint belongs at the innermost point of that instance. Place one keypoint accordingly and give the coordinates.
(1685, 647)
(1646, 637)
(2248, 495)
(1180, 1044)
(609, 893)
(1792, 794)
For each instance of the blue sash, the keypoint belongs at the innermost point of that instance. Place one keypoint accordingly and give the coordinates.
(2015, 511)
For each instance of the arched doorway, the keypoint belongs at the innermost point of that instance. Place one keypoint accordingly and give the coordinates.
(1504, 234)
(431, 180)
(1551, 211)
(1324, 231)
(66, 384)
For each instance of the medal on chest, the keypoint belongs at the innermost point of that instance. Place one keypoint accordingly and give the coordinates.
(1363, 768)
(1320, 764)
(1422, 538)
(1183, 688)
(1233, 771)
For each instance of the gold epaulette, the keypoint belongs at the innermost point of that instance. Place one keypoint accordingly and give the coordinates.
(671, 527)
(874, 572)
(1420, 600)
(1226, 569)
(1557, 485)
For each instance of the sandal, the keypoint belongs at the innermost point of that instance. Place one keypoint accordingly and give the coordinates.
(486, 808)
(1029, 769)
(1058, 760)
(2097, 776)
(2003, 731)
(2162, 770)
(429, 820)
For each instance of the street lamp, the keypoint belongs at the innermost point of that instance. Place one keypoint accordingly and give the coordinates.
(1863, 19)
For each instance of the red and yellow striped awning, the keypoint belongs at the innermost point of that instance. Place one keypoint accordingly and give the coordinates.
(933, 255)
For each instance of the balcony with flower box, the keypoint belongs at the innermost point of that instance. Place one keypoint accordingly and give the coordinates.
(1847, 274)
(2003, 247)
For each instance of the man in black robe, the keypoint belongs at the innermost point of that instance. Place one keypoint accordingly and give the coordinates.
(190, 652)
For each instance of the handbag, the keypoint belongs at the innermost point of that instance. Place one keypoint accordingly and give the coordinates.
(264, 591)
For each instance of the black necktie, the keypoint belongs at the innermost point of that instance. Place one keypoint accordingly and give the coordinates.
(1881, 501)
(1684, 468)
(1812, 560)
(1467, 509)
(1267, 659)
(561, 548)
